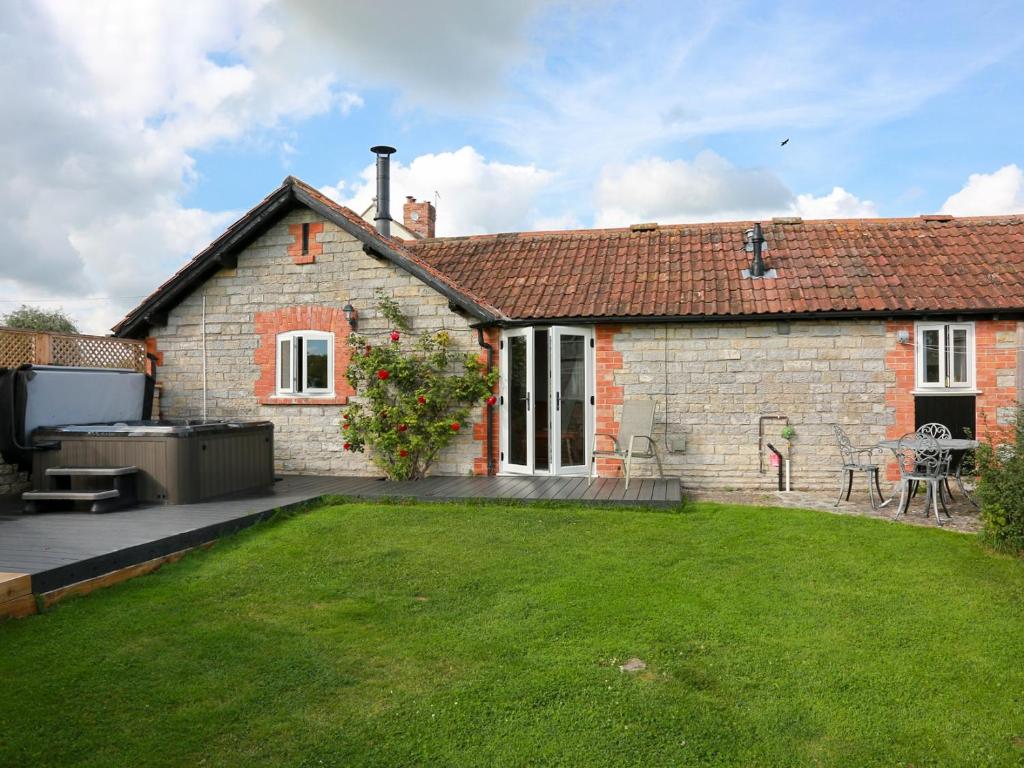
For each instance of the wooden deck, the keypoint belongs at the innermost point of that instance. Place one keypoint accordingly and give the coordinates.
(60, 549)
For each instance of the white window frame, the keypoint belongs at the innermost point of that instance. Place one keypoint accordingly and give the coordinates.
(944, 384)
(305, 391)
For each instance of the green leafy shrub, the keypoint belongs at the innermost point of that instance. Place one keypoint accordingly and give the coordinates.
(788, 432)
(35, 319)
(415, 396)
(1000, 464)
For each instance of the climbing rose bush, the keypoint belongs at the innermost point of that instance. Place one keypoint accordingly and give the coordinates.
(415, 394)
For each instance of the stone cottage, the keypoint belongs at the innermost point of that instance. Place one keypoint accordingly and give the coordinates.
(733, 329)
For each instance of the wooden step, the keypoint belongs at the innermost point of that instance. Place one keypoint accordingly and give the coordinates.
(70, 495)
(90, 471)
(16, 598)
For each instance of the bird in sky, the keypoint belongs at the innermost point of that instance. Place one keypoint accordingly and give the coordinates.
(784, 142)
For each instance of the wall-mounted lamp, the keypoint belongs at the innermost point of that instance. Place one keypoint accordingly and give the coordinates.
(351, 316)
(903, 337)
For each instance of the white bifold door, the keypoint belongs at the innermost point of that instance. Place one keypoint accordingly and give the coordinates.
(547, 400)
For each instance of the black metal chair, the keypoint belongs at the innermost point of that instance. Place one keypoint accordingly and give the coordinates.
(854, 461)
(921, 460)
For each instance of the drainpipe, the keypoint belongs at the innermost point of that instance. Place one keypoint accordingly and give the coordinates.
(490, 408)
(204, 357)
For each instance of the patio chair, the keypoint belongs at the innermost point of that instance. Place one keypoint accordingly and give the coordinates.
(939, 432)
(634, 440)
(856, 460)
(922, 462)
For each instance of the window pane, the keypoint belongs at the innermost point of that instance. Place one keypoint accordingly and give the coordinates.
(316, 364)
(517, 410)
(930, 355)
(285, 366)
(573, 366)
(958, 354)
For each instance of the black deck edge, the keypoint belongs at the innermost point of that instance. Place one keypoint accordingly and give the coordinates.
(101, 565)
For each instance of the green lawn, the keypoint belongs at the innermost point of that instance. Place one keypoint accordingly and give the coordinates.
(391, 635)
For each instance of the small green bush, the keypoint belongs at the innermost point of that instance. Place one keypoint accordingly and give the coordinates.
(1001, 488)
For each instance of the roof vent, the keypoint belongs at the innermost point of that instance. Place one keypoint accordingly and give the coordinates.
(787, 220)
(756, 245)
(649, 226)
(937, 217)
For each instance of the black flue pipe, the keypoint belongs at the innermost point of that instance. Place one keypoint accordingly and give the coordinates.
(382, 219)
(757, 241)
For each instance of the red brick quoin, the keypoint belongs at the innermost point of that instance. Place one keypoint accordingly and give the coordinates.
(307, 318)
(314, 248)
(493, 337)
(608, 394)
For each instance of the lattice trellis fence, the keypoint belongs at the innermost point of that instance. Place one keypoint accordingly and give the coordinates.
(19, 347)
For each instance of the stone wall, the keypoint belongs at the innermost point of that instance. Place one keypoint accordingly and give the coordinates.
(270, 278)
(715, 382)
(11, 480)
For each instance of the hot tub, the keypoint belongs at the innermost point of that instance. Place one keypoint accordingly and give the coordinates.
(179, 462)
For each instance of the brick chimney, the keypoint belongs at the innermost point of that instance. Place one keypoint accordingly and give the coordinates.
(419, 217)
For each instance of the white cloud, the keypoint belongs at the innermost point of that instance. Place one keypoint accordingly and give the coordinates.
(452, 51)
(708, 188)
(837, 204)
(475, 195)
(989, 194)
(104, 104)
(676, 191)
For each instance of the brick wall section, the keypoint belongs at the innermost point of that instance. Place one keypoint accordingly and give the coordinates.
(314, 246)
(996, 345)
(492, 336)
(304, 318)
(718, 379)
(609, 394)
(996, 354)
(308, 436)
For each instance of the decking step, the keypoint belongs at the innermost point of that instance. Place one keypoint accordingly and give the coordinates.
(70, 495)
(90, 471)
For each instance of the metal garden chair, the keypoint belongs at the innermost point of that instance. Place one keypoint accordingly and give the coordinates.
(856, 460)
(939, 432)
(634, 441)
(921, 460)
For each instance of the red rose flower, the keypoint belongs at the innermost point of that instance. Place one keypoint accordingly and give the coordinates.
(421, 400)
(369, 349)
(456, 426)
(395, 335)
(492, 400)
(382, 374)
(402, 427)
(403, 453)
(347, 446)
(345, 426)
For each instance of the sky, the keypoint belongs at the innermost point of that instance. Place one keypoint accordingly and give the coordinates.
(135, 131)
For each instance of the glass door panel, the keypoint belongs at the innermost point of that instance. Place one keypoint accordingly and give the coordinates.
(517, 413)
(573, 373)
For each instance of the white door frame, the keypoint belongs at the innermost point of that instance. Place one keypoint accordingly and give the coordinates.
(506, 402)
(556, 334)
(554, 395)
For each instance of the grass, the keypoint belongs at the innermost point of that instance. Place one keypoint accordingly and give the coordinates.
(392, 635)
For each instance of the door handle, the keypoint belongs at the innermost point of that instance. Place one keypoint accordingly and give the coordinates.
(558, 401)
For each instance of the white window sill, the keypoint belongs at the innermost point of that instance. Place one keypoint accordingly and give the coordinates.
(944, 392)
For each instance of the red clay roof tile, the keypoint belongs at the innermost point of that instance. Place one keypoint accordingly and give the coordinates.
(856, 265)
